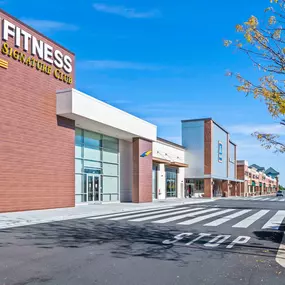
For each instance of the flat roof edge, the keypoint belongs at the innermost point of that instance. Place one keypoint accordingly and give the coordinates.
(196, 120)
(206, 119)
(171, 143)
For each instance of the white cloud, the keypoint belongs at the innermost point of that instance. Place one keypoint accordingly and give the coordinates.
(47, 25)
(113, 64)
(248, 129)
(125, 12)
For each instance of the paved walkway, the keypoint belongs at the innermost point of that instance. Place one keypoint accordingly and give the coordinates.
(18, 219)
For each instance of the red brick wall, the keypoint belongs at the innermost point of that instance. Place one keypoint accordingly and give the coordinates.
(208, 188)
(240, 172)
(36, 146)
(142, 171)
(208, 127)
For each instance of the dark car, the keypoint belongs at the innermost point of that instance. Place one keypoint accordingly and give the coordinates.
(279, 193)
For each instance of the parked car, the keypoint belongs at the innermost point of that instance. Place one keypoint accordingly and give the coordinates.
(279, 193)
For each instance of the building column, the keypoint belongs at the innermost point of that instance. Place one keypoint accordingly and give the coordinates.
(233, 188)
(208, 188)
(225, 188)
(161, 192)
(142, 171)
(180, 183)
(239, 189)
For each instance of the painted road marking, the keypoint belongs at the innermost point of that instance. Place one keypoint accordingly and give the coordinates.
(127, 212)
(196, 215)
(239, 240)
(217, 240)
(282, 200)
(275, 221)
(202, 218)
(251, 219)
(180, 217)
(227, 218)
(280, 256)
(163, 215)
(199, 237)
(144, 214)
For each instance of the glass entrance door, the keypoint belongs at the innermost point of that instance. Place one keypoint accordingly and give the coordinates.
(93, 187)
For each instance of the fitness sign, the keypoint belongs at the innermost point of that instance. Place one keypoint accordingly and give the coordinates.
(36, 53)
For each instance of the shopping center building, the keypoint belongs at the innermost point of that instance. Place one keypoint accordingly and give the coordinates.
(257, 180)
(60, 147)
(211, 156)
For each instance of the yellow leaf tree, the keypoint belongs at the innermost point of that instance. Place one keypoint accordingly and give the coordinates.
(264, 43)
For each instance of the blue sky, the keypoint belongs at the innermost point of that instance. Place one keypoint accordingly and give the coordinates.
(161, 62)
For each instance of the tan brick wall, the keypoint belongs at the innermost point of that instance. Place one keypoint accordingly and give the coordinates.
(36, 146)
(142, 171)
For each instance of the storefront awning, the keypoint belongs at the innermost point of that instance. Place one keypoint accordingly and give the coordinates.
(160, 160)
(168, 162)
(178, 164)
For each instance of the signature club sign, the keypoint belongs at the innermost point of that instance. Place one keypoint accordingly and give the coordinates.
(34, 53)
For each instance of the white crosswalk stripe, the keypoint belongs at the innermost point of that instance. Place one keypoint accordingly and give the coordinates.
(227, 218)
(143, 214)
(275, 221)
(259, 199)
(163, 215)
(186, 216)
(251, 219)
(180, 217)
(199, 219)
(128, 212)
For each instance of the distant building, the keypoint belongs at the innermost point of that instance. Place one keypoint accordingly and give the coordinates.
(257, 180)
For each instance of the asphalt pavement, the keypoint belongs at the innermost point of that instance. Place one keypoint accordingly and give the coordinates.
(229, 241)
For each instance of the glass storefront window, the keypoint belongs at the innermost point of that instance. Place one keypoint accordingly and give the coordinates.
(110, 149)
(193, 187)
(110, 185)
(110, 169)
(96, 157)
(78, 165)
(171, 182)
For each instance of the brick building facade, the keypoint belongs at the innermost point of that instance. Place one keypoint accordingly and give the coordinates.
(36, 145)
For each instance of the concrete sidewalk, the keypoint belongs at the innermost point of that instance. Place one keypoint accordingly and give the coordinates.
(18, 219)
